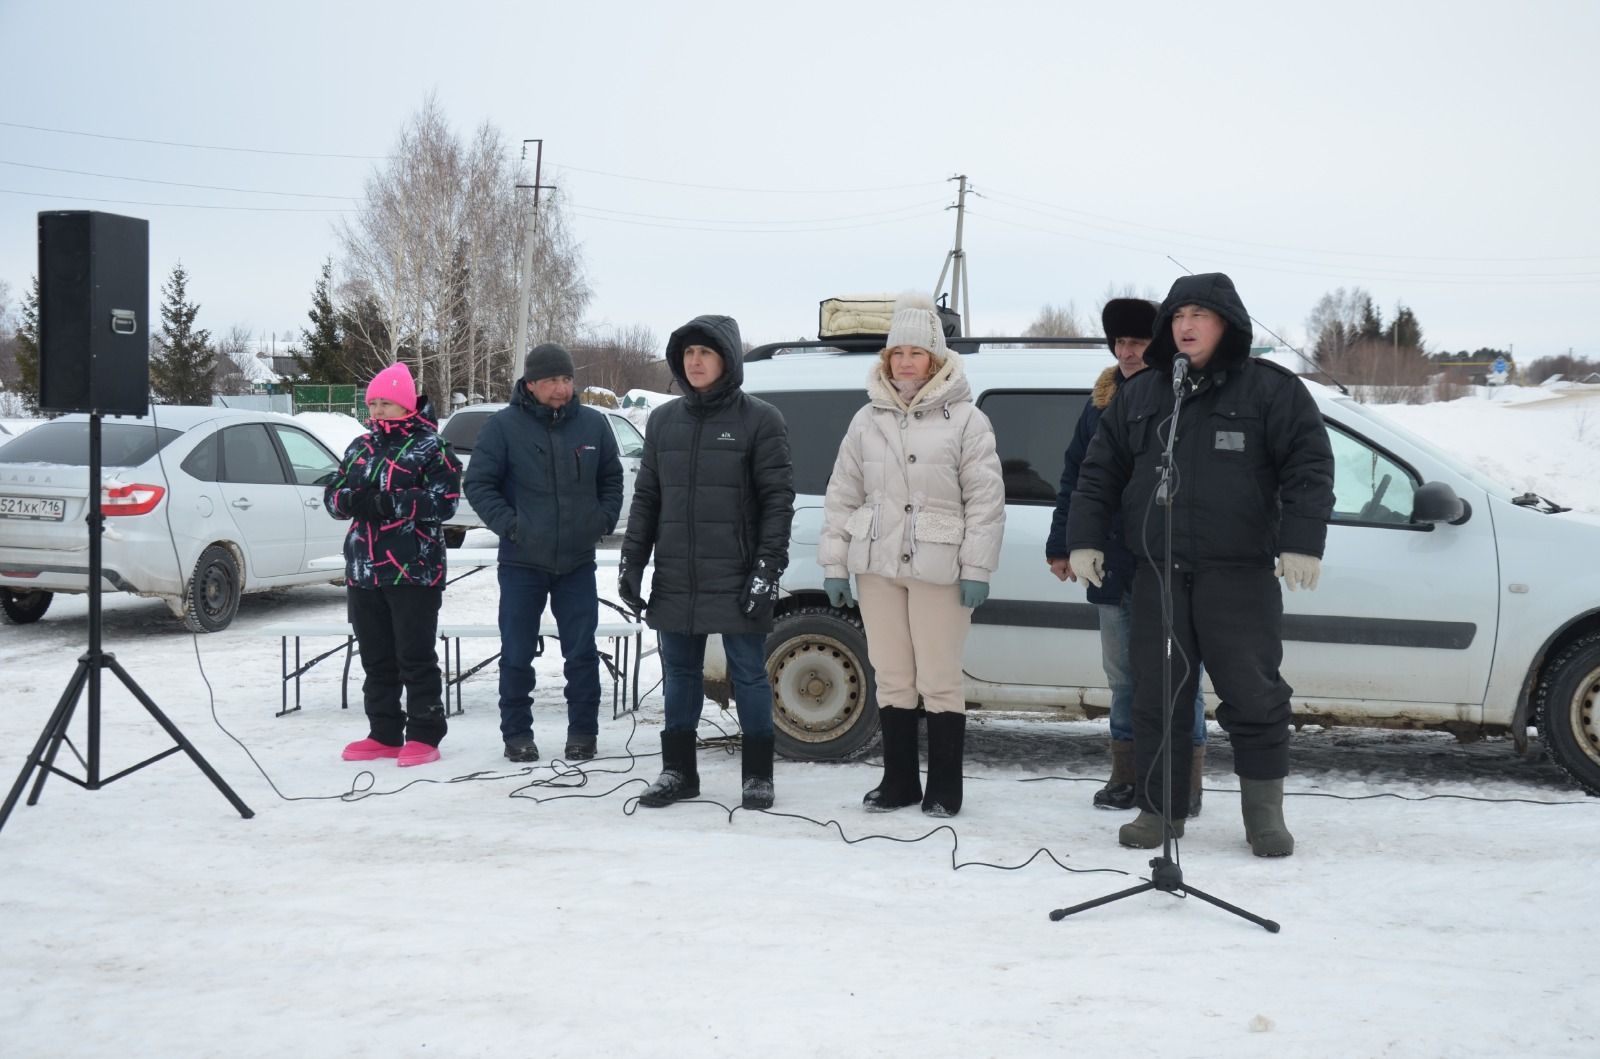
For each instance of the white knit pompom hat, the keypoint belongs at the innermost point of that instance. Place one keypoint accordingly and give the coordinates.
(915, 323)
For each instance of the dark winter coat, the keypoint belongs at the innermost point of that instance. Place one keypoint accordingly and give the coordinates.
(1255, 469)
(409, 460)
(715, 493)
(1119, 560)
(547, 480)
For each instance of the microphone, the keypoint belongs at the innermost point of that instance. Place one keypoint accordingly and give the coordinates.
(1180, 371)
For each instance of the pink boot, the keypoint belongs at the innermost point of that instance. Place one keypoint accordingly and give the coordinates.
(415, 753)
(369, 749)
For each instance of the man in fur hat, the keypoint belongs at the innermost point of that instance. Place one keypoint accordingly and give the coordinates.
(1249, 500)
(1128, 323)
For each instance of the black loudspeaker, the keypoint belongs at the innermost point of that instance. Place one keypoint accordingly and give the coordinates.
(94, 313)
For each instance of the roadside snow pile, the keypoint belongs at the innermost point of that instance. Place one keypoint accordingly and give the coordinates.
(1529, 439)
(334, 429)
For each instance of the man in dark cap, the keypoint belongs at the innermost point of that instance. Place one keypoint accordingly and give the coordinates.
(1128, 323)
(545, 476)
(1249, 498)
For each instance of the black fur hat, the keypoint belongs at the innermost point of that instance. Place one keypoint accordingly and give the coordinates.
(1128, 318)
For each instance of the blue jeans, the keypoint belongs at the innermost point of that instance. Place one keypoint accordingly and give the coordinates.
(683, 659)
(1116, 650)
(575, 603)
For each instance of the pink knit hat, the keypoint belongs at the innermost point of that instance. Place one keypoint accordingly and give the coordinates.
(394, 383)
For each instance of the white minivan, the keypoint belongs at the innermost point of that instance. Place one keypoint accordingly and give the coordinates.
(1447, 600)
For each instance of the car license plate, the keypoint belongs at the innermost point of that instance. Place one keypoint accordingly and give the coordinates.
(39, 509)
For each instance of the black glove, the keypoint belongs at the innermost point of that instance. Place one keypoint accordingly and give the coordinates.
(630, 587)
(761, 591)
(372, 505)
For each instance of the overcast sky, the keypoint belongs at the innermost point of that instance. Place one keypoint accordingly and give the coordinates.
(1443, 155)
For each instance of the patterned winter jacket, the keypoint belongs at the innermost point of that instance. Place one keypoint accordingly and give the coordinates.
(409, 460)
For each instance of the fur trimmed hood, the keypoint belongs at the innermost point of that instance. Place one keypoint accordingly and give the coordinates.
(1105, 387)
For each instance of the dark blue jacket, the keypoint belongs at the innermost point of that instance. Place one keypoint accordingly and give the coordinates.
(547, 480)
(408, 459)
(1119, 560)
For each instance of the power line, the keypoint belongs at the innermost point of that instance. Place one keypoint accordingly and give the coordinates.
(191, 146)
(718, 220)
(754, 231)
(177, 184)
(1510, 280)
(1275, 246)
(756, 191)
(171, 205)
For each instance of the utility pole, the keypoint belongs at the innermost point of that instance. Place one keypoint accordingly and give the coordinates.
(530, 227)
(955, 262)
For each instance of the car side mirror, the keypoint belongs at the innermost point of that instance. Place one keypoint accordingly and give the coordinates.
(1436, 502)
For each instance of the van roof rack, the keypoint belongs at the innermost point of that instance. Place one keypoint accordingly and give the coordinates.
(960, 343)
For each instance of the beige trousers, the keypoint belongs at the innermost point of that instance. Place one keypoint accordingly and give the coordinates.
(915, 633)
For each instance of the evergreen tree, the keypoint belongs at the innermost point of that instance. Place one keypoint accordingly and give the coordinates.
(1405, 331)
(28, 350)
(323, 360)
(1371, 323)
(183, 367)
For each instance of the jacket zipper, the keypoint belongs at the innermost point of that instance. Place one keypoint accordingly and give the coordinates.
(694, 475)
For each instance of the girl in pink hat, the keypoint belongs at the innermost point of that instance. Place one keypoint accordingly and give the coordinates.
(398, 482)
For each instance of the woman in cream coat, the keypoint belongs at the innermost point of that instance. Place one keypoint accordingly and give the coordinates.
(916, 509)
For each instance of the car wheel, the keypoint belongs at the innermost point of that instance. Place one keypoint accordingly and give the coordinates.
(1569, 711)
(823, 706)
(454, 536)
(24, 608)
(214, 589)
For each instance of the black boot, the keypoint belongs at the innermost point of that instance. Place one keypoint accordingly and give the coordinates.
(1118, 791)
(947, 737)
(679, 778)
(902, 776)
(755, 764)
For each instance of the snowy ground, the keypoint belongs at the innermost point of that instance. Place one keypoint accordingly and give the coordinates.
(1435, 904)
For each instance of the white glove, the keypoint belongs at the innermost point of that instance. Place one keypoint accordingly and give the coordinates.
(1299, 571)
(1089, 564)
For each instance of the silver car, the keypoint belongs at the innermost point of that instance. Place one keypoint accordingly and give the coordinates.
(461, 431)
(201, 505)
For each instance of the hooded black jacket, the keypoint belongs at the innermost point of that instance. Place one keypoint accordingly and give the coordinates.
(1254, 467)
(715, 493)
(547, 481)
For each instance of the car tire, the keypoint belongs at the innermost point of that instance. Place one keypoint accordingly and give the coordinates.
(214, 590)
(823, 694)
(454, 536)
(1569, 711)
(24, 608)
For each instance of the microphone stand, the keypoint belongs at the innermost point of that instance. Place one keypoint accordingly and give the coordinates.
(1165, 874)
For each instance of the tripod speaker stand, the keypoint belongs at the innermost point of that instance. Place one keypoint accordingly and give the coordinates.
(88, 676)
(1165, 874)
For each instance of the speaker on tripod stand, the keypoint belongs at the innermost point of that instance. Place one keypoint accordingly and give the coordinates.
(94, 298)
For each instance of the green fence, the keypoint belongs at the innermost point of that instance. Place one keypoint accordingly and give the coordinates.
(316, 397)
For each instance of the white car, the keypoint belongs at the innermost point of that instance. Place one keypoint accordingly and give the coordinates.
(201, 505)
(1447, 600)
(461, 431)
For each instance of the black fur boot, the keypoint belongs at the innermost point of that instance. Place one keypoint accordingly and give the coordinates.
(902, 776)
(679, 778)
(947, 737)
(755, 765)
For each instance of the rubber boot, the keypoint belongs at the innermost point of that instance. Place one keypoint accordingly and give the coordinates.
(902, 775)
(1196, 780)
(1145, 831)
(1262, 804)
(679, 778)
(755, 766)
(1118, 791)
(947, 737)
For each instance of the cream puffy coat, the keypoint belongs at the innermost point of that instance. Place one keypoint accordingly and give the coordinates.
(916, 492)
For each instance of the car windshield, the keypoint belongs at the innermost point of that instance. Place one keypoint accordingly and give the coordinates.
(66, 443)
(1477, 477)
(462, 429)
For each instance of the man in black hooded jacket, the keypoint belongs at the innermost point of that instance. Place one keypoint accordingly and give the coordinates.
(713, 500)
(1251, 490)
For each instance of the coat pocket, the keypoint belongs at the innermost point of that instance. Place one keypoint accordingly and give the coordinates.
(937, 531)
(861, 528)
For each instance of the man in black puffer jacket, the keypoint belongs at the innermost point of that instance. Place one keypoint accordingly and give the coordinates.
(545, 476)
(714, 499)
(1253, 483)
